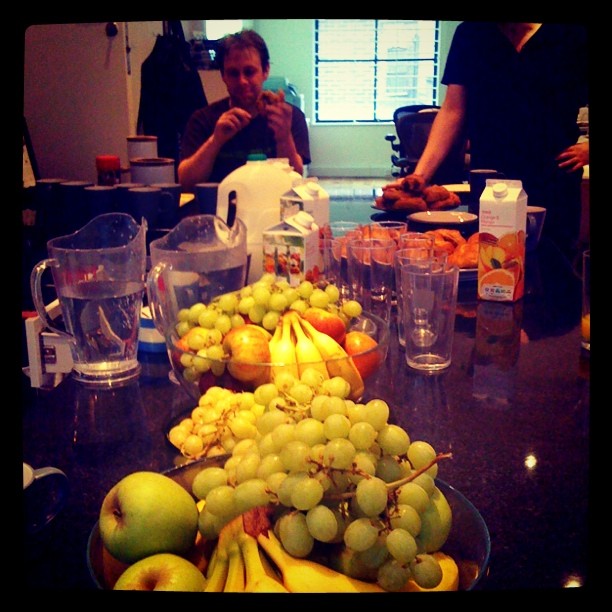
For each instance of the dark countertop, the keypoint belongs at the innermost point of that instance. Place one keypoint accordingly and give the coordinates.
(516, 420)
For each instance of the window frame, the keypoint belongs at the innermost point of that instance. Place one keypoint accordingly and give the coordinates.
(377, 63)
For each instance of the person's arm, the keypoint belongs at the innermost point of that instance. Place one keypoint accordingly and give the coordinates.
(198, 167)
(446, 129)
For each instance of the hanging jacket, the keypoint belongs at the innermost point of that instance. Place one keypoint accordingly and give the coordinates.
(171, 90)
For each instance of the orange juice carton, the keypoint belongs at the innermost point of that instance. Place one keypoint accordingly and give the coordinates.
(501, 251)
(291, 249)
(309, 196)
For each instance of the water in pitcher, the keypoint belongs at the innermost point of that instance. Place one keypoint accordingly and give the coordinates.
(103, 317)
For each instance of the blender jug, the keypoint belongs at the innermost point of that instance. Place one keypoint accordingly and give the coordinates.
(98, 275)
(200, 259)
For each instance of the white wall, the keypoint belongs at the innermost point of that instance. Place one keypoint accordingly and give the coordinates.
(81, 95)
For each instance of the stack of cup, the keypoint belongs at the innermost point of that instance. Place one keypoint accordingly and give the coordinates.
(427, 302)
(414, 248)
(370, 273)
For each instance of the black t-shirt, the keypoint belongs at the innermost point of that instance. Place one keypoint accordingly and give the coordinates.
(257, 137)
(522, 107)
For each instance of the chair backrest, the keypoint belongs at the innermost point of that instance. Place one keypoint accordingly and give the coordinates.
(413, 124)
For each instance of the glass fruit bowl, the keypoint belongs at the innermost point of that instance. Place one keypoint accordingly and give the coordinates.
(242, 369)
(468, 542)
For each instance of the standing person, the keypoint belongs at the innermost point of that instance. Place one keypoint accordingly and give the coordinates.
(514, 90)
(219, 137)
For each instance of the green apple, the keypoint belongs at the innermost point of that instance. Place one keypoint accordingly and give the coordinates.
(147, 513)
(161, 572)
(436, 522)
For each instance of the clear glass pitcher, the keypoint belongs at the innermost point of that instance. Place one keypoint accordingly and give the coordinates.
(99, 277)
(200, 259)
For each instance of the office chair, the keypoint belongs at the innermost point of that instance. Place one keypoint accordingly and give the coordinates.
(413, 124)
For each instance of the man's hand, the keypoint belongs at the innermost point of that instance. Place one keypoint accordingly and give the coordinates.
(278, 115)
(230, 123)
(574, 157)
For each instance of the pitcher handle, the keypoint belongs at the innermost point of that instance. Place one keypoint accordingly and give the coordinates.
(155, 300)
(35, 288)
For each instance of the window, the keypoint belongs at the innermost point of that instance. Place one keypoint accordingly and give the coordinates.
(366, 68)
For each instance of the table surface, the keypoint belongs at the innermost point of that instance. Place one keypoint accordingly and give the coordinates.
(513, 409)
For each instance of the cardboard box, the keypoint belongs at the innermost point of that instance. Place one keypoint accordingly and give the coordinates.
(291, 249)
(307, 196)
(501, 252)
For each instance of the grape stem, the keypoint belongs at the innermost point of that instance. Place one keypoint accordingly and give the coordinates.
(397, 483)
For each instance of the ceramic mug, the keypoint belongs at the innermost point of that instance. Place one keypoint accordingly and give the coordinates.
(478, 181)
(149, 170)
(45, 493)
(536, 216)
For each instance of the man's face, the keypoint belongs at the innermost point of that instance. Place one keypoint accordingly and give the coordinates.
(244, 77)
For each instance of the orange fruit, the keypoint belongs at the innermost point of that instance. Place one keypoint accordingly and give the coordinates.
(355, 344)
(499, 277)
(513, 243)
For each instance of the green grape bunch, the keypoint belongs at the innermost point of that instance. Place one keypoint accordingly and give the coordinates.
(336, 475)
(200, 328)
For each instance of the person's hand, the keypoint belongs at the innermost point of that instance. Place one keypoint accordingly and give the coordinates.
(574, 157)
(230, 123)
(415, 182)
(279, 118)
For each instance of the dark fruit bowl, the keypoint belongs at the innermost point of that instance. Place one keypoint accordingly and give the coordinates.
(468, 542)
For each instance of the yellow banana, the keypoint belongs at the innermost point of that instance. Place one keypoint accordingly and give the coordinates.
(259, 578)
(218, 571)
(235, 571)
(337, 360)
(308, 355)
(305, 576)
(219, 566)
(282, 351)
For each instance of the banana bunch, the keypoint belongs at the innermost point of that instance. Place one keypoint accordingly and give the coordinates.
(297, 345)
(239, 565)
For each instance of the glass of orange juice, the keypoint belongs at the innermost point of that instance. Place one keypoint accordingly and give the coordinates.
(586, 300)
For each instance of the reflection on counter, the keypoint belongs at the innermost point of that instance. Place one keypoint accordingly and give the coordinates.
(497, 349)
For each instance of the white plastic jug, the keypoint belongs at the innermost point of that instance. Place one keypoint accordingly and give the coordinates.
(252, 193)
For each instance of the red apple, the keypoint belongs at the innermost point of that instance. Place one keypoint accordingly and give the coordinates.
(248, 348)
(362, 348)
(326, 322)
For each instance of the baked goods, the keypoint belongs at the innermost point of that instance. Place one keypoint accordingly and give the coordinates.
(465, 255)
(461, 252)
(409, 194)
(269, 98)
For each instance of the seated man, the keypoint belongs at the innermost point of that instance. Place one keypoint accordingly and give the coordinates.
(219, 137)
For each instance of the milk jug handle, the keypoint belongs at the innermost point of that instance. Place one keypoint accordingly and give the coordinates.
(35, 288)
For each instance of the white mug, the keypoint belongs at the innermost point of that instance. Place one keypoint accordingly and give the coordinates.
(141, 146)
(150, 170)
(43, 504)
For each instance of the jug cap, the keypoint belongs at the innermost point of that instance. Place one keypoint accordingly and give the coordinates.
(257, 157)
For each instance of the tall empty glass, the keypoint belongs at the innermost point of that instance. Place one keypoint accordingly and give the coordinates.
(416, 257)
(98, 274)
(370, 274)
(429, 296)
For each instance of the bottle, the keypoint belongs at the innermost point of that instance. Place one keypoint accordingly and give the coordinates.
(109, 169)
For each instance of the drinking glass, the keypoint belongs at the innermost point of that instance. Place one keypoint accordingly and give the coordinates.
(370, 273)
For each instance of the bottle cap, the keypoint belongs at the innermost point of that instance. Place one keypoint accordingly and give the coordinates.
(106, 163)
